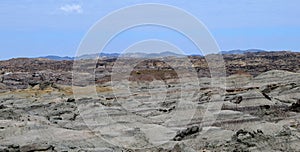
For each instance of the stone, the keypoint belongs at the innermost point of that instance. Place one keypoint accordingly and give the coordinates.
(36, 147)
(295, 106)
(186, 132)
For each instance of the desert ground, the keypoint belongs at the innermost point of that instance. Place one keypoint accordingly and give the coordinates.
(155, 109)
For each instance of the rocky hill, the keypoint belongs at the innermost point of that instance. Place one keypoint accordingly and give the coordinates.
(25, 72)
(256, 109)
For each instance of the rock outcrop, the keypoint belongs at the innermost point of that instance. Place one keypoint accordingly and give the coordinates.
(257, 108)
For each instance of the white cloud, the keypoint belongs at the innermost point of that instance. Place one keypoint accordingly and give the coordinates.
(71, 8)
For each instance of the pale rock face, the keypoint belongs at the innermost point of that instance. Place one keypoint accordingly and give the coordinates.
(255, 113)
(46, 121)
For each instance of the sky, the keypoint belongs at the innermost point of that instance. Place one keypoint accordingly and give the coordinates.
(33, 28)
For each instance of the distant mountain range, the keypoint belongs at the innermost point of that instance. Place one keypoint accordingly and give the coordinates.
(152, 55)
(144, 55)
(91, 56)
(242, 51)
(87, 56)
(132, 55)
(57, 58)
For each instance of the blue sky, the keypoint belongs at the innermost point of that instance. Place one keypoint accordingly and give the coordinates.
(31, 28)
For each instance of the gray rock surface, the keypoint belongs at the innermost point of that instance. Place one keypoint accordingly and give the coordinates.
(40, 111)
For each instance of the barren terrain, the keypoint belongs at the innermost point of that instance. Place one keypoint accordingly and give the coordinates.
(257, 108)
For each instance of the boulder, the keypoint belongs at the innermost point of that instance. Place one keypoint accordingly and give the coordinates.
(295, 106)
(186, 132)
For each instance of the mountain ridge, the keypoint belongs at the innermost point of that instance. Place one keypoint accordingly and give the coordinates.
(148, 55)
